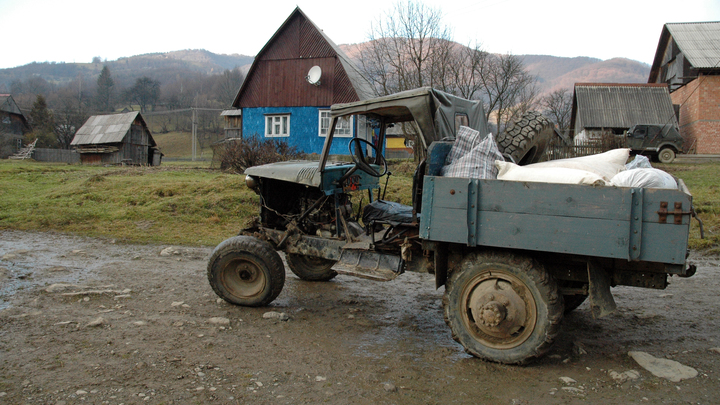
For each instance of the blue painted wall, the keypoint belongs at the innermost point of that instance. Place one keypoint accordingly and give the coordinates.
(304, 128)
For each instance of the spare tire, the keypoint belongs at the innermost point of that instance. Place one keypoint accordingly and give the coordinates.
(526, 139)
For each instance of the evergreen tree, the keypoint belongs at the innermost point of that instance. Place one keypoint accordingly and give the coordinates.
(43, 124)
(105, 84)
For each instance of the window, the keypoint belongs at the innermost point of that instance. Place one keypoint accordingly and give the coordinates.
(277, 125)
(344, 127)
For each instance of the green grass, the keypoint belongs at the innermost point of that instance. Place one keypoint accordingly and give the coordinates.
(179, 145)
(704, 185)
(186, 203)
(166, 204)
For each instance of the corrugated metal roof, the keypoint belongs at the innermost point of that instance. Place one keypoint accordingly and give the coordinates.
(699, 42)
(600, 105)
(100, 129)
(231, 112)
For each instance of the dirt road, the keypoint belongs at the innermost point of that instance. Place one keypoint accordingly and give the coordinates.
(93, 321)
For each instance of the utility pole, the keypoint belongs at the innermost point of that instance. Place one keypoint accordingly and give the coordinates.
(194, 132)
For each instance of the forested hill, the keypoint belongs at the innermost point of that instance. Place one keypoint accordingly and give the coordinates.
(553, 72)
(157, 66)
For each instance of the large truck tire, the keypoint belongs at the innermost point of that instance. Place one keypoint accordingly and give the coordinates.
(526, 139)
(245, 270)
(503, 307)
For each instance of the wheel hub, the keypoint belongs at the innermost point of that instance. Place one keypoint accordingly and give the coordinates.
(501, 313)
(492, 313)
(244, 278)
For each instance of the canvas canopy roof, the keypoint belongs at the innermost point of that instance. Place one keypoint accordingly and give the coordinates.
(112, 128)
(433, 110)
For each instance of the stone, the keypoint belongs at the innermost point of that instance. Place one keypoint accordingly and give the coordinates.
(139, 323)
(177, 303)
(669, 369)
(320, 378)
(219, 321)
(276, 315)
(99, 321)
(573, 390)
(169, 251)
(715, 350)
(80, 392)
(389, 387)
(567, 380)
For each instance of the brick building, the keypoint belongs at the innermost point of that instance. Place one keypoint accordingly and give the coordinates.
(688, 61)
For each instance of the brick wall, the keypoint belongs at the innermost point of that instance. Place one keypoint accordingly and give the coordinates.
(700, 114)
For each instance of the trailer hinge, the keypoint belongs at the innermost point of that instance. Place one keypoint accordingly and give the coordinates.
(677, 213)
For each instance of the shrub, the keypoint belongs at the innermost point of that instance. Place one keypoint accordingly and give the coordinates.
(238, 154)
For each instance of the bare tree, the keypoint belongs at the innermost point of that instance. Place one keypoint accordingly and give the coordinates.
(558, 107)
(405, 48)
(227, 86)
(507, 89)
(145, 93)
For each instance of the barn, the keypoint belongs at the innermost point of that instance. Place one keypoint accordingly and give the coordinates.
(117, 139)
(291, 85)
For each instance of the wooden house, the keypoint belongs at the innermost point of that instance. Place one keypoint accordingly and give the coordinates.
(291, 85)
(13, 126)
(116, 139)
(600, 110)
(687, 59)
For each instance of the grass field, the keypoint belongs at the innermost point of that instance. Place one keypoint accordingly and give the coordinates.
(186, 203)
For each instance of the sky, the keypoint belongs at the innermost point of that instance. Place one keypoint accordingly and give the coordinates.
(78, 30)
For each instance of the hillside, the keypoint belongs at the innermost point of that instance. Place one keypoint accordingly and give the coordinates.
(158, 66)
(557, 72)
(553, 72)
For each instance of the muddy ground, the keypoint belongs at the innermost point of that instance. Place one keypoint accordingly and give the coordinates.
(136, 327)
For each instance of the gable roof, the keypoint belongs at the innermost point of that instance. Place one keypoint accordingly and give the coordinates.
(312, 49)
(699, 42)
(616, 105)
(8, 105)
(111, 128)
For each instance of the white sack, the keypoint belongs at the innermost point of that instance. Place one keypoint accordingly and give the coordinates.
(605, 165)
(640, 162)
(647, 178)
(512, 172)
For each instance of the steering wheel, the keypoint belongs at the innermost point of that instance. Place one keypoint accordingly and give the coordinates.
(360, 160)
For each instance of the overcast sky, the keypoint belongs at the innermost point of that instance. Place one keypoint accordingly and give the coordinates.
(78, 30)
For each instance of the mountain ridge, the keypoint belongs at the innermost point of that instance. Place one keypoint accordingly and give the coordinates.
(553, 72)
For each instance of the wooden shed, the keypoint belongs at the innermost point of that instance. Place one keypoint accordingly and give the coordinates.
(13, 126)
(116, 139)
(601, 109)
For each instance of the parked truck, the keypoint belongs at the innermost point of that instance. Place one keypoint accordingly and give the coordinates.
(661, 142)
(513, 256)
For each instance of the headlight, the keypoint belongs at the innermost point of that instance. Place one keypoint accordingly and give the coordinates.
(251, 182)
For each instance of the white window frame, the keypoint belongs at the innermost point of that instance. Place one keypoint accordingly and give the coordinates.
(344, 128)
(277, 125)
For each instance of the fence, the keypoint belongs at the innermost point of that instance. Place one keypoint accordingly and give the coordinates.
(56, 155)
(557, 149)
